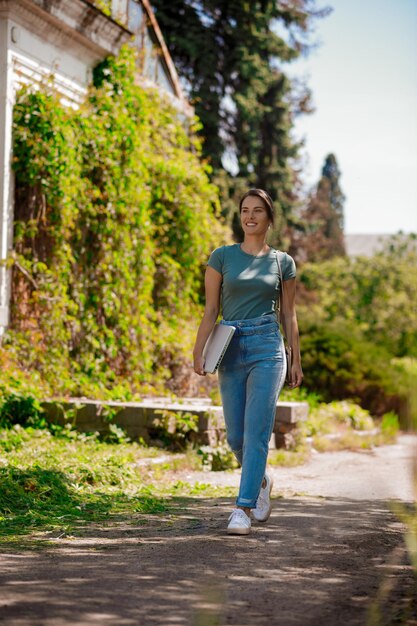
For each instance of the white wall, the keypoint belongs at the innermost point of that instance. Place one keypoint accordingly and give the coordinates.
(30, 51)
(6, 183)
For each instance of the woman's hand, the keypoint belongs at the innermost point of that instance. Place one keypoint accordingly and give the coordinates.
(199, 365)
(296, 376)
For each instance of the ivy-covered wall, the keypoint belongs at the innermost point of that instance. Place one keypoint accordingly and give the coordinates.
(114, 219)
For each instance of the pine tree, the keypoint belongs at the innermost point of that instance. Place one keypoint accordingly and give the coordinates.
(320, 232)
(336, 197)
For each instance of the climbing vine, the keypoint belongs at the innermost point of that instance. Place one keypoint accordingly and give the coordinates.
(114, 219)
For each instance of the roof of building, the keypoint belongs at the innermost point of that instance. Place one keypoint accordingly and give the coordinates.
(369, 244)
(166, 57)
(365, 244)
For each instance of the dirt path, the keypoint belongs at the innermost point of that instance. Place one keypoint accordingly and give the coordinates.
(333, 558)
(379, 474)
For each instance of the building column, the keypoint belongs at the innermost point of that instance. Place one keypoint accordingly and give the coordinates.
(6, 176)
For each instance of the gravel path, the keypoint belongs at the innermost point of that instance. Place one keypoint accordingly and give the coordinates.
(379, 474)
(332, 554)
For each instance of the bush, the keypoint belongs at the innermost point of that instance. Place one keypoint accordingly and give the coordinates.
(338, 363)
(175, 431)
(21, 409)
(405, 370)
(358, 328)
(376, 295)
(217, 458)
(390, 426)
(329, 418)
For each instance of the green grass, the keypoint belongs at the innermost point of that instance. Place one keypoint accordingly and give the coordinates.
(289, 458)
(61, 483)
(56, 483)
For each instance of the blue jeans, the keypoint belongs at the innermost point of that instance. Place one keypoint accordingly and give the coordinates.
(251, 376)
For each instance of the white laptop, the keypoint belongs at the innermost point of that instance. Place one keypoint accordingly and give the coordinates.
(216, 346)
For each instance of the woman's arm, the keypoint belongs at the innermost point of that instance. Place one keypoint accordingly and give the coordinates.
(290, 327)
(213, 281)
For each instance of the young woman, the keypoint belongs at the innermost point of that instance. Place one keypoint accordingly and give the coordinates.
(245, 279)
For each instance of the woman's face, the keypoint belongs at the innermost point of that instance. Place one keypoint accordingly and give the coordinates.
(254, 216)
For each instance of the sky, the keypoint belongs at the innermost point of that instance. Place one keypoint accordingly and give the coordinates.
(363, 78)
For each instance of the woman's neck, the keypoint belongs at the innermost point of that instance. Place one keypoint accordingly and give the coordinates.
(254, 246)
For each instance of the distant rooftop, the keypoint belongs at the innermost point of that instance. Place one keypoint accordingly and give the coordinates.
(368, 244)
(365, 245)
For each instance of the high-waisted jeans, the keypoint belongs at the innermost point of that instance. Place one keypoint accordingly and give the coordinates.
(251, 376)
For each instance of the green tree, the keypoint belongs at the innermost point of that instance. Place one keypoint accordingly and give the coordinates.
(231, 55)
(319, 233)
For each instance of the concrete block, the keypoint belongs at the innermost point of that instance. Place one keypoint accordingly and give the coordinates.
(136, 418)
(284, 429)
(291, 412)
(286, 441)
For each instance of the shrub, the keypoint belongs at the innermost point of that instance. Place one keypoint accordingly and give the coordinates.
(217, 458)
(359, 328)
(390, 426)
(172, 430)
(328, 418)
(21, 409)
(377, 295)
(405, 371)
(338, 363)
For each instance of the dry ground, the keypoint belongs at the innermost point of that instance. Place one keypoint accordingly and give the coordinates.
(333, 553)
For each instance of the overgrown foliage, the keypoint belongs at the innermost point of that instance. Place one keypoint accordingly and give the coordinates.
(174, 430)
(359, 328)
(217, 458)
(114, 219)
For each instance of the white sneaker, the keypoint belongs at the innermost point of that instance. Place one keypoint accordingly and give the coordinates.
(239, 523)
(263, 504)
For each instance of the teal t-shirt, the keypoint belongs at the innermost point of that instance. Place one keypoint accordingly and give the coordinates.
(250, 283)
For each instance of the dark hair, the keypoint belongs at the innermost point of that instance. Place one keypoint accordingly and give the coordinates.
(265, 197)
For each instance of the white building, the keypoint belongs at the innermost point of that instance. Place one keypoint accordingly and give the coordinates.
(67, 38)
(368, 244)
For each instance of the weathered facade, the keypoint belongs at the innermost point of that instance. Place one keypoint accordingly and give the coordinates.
(65, 39)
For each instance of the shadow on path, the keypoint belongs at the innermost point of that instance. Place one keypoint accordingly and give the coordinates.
(318, 561)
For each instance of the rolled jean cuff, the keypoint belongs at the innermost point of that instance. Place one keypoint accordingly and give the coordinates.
(248, 504)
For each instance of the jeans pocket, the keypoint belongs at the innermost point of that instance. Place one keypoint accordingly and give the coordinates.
(264, 346)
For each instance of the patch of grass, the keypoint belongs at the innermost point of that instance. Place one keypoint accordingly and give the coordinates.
(344, 425)
(351, 440)
(59, 483)
(44, 499)
(180, 488)
(347, 441)
(407, 514)
(289, 458)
